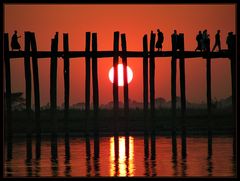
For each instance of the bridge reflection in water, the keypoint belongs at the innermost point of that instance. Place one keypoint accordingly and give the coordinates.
(121, 156)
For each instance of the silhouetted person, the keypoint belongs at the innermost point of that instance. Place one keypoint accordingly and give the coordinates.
(175, 45)
(230, 41)
(205, 41)
(199, 39)
(14, 42)
(160, 40)
(217, 41)
(208, 43)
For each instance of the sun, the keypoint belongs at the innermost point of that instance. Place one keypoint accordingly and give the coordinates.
(120, 74)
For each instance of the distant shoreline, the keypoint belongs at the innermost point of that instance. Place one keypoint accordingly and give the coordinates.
(197, 122)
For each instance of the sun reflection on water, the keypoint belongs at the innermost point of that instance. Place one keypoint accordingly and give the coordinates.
(122, 164)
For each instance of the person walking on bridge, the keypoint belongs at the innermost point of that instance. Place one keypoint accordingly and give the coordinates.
(217, 41)
(199, 39)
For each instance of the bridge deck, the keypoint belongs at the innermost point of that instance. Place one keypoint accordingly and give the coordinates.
(129, 54)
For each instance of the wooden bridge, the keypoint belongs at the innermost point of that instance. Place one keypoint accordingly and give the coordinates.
(93, 55)
(129, 54)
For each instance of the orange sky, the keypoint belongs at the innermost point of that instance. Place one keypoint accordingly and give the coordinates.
(135, 21)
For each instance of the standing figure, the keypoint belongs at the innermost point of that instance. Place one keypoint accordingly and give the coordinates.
(160, 40)
(230, 41)
(175, 41)
(208, 43)
(217, 41)
(199, 39)
(205, 41)
(14, 42)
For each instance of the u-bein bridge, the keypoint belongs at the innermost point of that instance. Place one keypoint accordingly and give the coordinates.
(93, 55)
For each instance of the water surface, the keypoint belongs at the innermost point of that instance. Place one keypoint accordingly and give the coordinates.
(130, 157)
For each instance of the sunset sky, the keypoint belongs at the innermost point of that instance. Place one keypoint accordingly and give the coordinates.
(135, 21)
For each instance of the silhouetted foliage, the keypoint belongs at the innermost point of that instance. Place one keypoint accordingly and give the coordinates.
(18, 102)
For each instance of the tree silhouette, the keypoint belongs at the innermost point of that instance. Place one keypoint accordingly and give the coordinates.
(18, 102)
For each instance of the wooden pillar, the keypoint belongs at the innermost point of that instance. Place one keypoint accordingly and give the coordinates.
(95, 73)
(53, 94)
(95, 94)
(173, 96)
(66, 92)
(209, 95)
(28, 88)
(233, 62)
(87, 80)
(36, 95)
(152, 74)
(145, 95)
(152, 96)
(209, 104)
(8, 118)
(183, 94)
(145, 81)
(27, 67)
(35, 78)
(125, 80)
(66, 79)
(125, 74)
(115, 79)
(53, 74)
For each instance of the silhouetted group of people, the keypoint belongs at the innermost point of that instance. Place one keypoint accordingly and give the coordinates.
(203, 41)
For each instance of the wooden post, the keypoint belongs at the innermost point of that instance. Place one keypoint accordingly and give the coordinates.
(53, 94)
(53, 74)
(66, 79)
(145, 94)
(8, 118)
(28, 85)
(36, 95)
(95, 94)
(87, 81)
(233, 63)
(183, 95)
(209, 105)
(145, 81)
(8, 77)
(152, 96)
(173, 95)
(66, 92)
(115, 78)
(27, 67)
(35, 77)
(125, 79)
(152, 74)
(95, 73)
